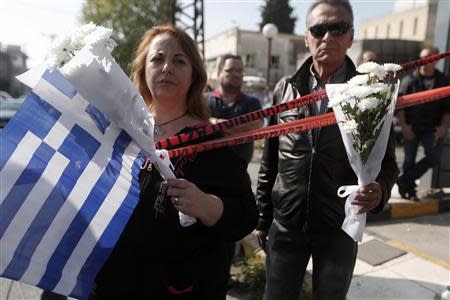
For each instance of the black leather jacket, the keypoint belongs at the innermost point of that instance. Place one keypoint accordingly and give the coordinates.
(430, 114)
(300, 175)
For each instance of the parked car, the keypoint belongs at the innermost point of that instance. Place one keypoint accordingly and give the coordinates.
(4, 96)
(8, 107)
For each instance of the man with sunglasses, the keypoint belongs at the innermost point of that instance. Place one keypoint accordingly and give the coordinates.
(300, 173)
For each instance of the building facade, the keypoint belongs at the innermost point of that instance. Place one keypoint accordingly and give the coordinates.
(411, 20)
(252, 46)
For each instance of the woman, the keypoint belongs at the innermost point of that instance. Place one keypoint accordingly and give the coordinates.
(155, 257)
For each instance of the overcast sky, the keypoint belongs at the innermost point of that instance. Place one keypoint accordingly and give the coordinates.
(32, 23)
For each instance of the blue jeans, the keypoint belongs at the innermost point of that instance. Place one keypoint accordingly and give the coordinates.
(288, 253)
(432, 146)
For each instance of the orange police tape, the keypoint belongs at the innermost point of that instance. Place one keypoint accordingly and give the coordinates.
(176, 140)
(301, 125)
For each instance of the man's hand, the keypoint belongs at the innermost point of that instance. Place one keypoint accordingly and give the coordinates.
(261, 235)
(441, 131)
(368, 197)
(408, 133)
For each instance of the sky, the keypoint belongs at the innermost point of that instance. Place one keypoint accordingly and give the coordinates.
(33, 23)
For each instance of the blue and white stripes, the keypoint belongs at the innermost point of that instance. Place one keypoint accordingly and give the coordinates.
(68, 185)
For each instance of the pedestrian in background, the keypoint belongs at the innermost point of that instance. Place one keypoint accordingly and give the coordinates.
(228, 101)
(366, 56)
(300, 173)
(424, 124)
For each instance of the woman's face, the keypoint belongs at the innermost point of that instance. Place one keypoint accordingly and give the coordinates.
(168, 70)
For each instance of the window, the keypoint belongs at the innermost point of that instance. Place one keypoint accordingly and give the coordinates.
(416, 21)
(388, 30)
(400, 31)
(249, 60)
(376, 31)
(275, 63)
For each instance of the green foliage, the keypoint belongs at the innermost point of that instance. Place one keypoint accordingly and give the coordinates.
(129, 19)
(254, 277)
(278, 12)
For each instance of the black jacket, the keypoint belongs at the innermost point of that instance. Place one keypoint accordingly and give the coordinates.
(429, 114)
(300, 175)
(156, 258)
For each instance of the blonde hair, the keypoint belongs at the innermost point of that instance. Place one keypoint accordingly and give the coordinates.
(196, 105)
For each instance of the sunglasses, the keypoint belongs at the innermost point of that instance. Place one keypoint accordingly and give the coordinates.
(336, 29)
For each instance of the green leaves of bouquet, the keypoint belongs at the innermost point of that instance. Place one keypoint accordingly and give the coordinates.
(365, 101)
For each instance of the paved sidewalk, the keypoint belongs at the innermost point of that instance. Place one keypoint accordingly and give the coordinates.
(406, 277)
(409, 276)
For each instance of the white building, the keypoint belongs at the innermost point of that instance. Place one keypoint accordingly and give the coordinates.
(412, 20)
(252, 46)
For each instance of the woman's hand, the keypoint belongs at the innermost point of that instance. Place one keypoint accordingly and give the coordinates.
(189, 199)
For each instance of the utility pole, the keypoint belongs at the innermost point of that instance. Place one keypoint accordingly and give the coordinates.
(190, 17)
(170, 11)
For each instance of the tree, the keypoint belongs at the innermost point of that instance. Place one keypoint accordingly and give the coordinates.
(279, 13)
(129, 19)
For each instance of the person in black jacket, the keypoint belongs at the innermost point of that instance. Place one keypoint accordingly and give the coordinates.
(424, 123)
(300, 173)
(155, 257)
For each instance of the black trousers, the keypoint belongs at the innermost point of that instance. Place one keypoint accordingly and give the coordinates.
(288, 253)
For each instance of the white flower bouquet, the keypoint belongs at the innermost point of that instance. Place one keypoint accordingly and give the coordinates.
(84, 58)
(364, 109)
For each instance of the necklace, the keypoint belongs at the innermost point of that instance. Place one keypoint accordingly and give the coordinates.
(158, 128)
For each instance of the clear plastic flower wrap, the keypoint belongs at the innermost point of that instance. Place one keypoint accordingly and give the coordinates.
(364, 108)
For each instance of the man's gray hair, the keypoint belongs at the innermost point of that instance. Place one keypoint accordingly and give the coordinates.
(345, 4)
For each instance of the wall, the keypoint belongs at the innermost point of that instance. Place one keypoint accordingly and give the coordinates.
(416, 24)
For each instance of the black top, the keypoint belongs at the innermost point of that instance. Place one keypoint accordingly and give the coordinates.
(244, 104)
(157, 258)
(428, 115)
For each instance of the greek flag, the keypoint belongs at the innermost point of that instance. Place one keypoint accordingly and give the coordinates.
(69, 184)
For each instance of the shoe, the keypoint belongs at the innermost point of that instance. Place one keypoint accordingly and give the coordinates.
(409, 195)
(407, 192)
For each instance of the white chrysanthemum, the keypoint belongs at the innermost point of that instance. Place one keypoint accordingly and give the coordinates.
(66, 46)
(372, 68)
(392, 67)
(338, 99)
(101, 34)
(368, 67)
(358, 80)
(368, 103)
(379, 88)
(59, 51)
(360, 91)
(349, 126)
